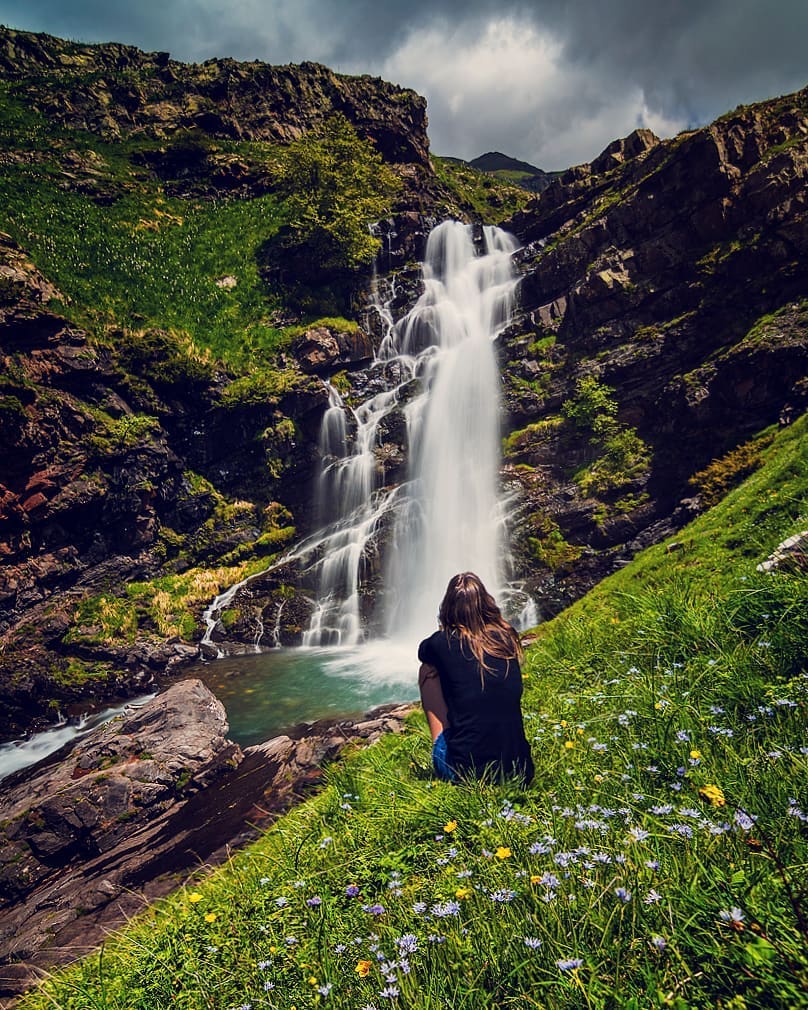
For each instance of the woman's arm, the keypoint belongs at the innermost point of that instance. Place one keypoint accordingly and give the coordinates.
(432, 699)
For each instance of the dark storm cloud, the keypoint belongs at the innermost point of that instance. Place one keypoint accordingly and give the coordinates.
(549, 80)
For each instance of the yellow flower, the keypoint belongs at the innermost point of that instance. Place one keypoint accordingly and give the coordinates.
(695, 754)
(462, 893)
(210, 917)
(312, 980)
(503, 852)
(362, 968)
(713, 795)
(193, 898)
(563, 724)
(450, 826)
(598, 777)
(579, 731)
(658, 706)
(569, 744)
(535, 878)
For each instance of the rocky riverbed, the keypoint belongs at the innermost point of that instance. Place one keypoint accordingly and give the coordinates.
(90, 836)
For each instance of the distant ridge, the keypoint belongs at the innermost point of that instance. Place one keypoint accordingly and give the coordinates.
(496, 161)
(518, 173)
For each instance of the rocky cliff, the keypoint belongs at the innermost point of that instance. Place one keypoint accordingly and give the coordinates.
(663, 325)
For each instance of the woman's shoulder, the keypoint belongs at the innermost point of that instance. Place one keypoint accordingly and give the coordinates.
(430, 646)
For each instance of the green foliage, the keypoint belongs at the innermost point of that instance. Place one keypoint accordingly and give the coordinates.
(622, 456)
(335, 184)
(265, 386)
(476, 194)
(549, 546)
(715, 480)
(113, 436)
(149, 257)
(666, 712)
(592, 407)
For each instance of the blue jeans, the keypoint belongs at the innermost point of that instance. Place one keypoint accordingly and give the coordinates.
(440, 759)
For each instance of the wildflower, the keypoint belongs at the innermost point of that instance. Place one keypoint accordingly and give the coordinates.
(569, 744)
(569, 964)
(281, 902)
(695, 755)
(683, 736)
(407, 944)
(210, 917)
(533, 942)
(376, 909)
(314, 901)
(419, 907)
(269, 986)
(734, 916)
(462, 893)
(325, 989)
(195, 897)
(659, 942)
(713, 795)
(339, 948)
(623, 894)
(442, 910)
(652, 897)
(390, 992)
(291, 941)
(503, 895)
(450, 826)
(638, 834)
(503, 852)
(744, 820)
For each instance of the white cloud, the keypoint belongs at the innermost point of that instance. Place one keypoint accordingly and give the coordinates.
(508, 87)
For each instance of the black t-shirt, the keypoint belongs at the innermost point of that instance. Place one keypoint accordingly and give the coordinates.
(485, 718)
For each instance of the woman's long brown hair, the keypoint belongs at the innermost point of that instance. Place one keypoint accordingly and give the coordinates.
(470, 610)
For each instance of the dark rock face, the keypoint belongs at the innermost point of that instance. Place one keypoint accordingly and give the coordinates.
(134, 809)
(675, 273)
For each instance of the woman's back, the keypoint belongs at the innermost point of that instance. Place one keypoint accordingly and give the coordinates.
(485, 732)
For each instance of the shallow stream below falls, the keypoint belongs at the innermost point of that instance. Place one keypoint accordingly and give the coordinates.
(266, 693)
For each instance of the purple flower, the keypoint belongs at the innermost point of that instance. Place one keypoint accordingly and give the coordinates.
(351, 891)
(533, 942)
(324, 990)
(314, 901)
(659, 942)
(652, 897)
(407, 944)
(390, 992)
(623, 894)
(442, 910)
(569, 964)
(503, 895)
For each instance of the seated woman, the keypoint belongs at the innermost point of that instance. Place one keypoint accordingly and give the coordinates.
(471, 687)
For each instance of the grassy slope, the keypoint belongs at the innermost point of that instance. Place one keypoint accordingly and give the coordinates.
(611, 882)
(144, 259)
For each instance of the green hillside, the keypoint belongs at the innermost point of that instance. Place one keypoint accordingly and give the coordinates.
(657, 860)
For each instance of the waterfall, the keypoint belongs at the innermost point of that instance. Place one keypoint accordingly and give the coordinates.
(447, 516)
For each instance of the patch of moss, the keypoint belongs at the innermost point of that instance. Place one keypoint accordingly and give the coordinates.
(102, 620)
(716, 480)
(266, 386)
(548, 546)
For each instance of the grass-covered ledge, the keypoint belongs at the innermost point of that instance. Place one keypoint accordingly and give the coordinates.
(656, 860)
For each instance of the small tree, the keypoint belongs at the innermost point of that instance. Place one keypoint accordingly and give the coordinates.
(335, 183)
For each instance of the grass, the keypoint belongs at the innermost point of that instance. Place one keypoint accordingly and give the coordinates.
(486, 198)
(657, 860)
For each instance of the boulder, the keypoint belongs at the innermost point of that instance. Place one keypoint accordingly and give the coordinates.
(323, 349)
(91, 836)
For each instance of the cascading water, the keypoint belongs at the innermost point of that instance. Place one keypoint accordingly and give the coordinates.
(447, 517)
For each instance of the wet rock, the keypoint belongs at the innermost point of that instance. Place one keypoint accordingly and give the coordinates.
(324, 349)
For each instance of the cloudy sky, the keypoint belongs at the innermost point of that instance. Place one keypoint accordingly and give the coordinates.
(548, 81)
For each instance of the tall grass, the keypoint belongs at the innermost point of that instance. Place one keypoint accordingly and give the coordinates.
(657, 860)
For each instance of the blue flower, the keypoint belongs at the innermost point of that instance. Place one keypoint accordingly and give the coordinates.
(569, 964)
